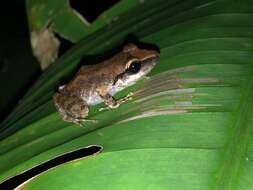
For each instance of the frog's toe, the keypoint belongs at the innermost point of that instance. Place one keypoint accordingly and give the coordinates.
(71, 119)
(103, 109)
(89, 120)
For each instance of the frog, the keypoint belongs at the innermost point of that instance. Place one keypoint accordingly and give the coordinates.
(97, 83)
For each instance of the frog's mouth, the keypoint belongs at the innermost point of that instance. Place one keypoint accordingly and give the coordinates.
(150, 60)
(148, 63)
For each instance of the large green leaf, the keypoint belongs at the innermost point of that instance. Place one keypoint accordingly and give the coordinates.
(188, 127)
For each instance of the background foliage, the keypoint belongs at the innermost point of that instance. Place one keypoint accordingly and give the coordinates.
(189, 125)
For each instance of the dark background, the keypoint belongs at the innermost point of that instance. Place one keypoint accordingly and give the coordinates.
(18, 68)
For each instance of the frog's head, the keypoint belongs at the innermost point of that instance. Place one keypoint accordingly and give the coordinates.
(140, 61)
(138, 64)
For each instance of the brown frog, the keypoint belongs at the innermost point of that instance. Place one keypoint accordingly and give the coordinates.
(98, 83)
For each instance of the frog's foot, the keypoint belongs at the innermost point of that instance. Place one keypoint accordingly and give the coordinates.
(71, 119)
(77, 121)
(112, 104)
(125, 99)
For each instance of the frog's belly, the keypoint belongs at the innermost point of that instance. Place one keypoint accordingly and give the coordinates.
(94, 98)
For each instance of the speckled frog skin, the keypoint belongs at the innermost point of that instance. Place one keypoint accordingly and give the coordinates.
(98, 83)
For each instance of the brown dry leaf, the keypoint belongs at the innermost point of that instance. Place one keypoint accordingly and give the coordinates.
(45, 46)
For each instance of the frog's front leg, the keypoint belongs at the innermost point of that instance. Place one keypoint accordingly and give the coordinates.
(112, 103)
(71, 108)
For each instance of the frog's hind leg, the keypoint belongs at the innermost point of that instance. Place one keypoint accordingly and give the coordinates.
(71, 108)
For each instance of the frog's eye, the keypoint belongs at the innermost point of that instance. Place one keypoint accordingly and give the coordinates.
(134, 67)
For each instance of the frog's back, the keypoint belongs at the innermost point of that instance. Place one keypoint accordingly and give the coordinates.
(84, 80)
(91, 78)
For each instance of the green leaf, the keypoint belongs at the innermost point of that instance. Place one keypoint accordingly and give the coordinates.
(59, 13)
(188, 127)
